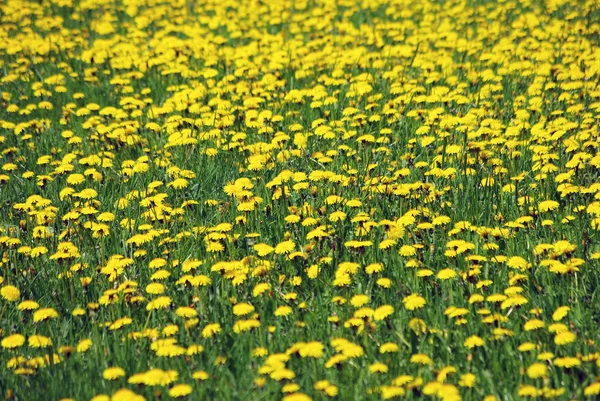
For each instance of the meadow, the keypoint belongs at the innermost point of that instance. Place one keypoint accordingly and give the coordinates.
(299, 200)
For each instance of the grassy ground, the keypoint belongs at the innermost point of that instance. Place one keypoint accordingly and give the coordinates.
(296, 200)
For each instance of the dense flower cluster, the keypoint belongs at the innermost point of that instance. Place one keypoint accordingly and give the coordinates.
(311, 199)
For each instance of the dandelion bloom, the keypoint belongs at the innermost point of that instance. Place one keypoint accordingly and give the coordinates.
(359, 300)
(10, 293)
(243, 309)
(200, 375)
(414, 301)
(566, 337)
(43, 314)
(446, 274)
(260, 289)
(474, 341)
(263, 249)
(283, 311)
(527, 346)
(296, 397)
(388, 347)
(84, 345)
(155, 288)
(38, 341)
(560, 313)
(285, 247)
(211, 329)
(159, 303)
(592, 389)
(313, 349)
(517, 262)
(467, 380)
(113, 373)
(13, 341)
(28, 305)
(126, 395)
(390, 392)
(378, 367)
(548, 205)
(537, 370)
(180, 390)
(383, 312)
(533, 324)
(260, 351)
(186, 312)
(567, 362)
(421, 359)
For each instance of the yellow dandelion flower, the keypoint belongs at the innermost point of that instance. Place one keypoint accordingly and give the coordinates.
(426, 273)
(290, 388)
(113, 373)
(560, 313)
(313, 349)
(43, 314)
(200, 375)
(533, 324)
(296, 397)
(159, 303)
(525, 347)
(84, 345)
(38, 341)
(558, 328)
(285, 247)
(10, 293)
(283, 310)
(537, 370)
(78, 312)
(407, 250)
(474, 341)
(529, 391)
(383, 312)
(390, 392)
(566, 337)
(155, 288)
(384, 282)
(260, 352)
(126, 395)
(260, 289)
(548, 205)
(186, 312)
(263, 249)
(359, 300)
(467, 380)
(592, 390)
(421, 359)
(242, 309)
(567, 362)
(446, 274)
(414, 301)
(180, 390)
(517, 262)
(28, 305)
(378, 367)
(211, 330)
(170, 330)
(13, 341)
(387, 243)
(388, 348)
(374, 268)
(157, 263)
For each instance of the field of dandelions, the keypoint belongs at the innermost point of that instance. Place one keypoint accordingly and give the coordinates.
(299, 200)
